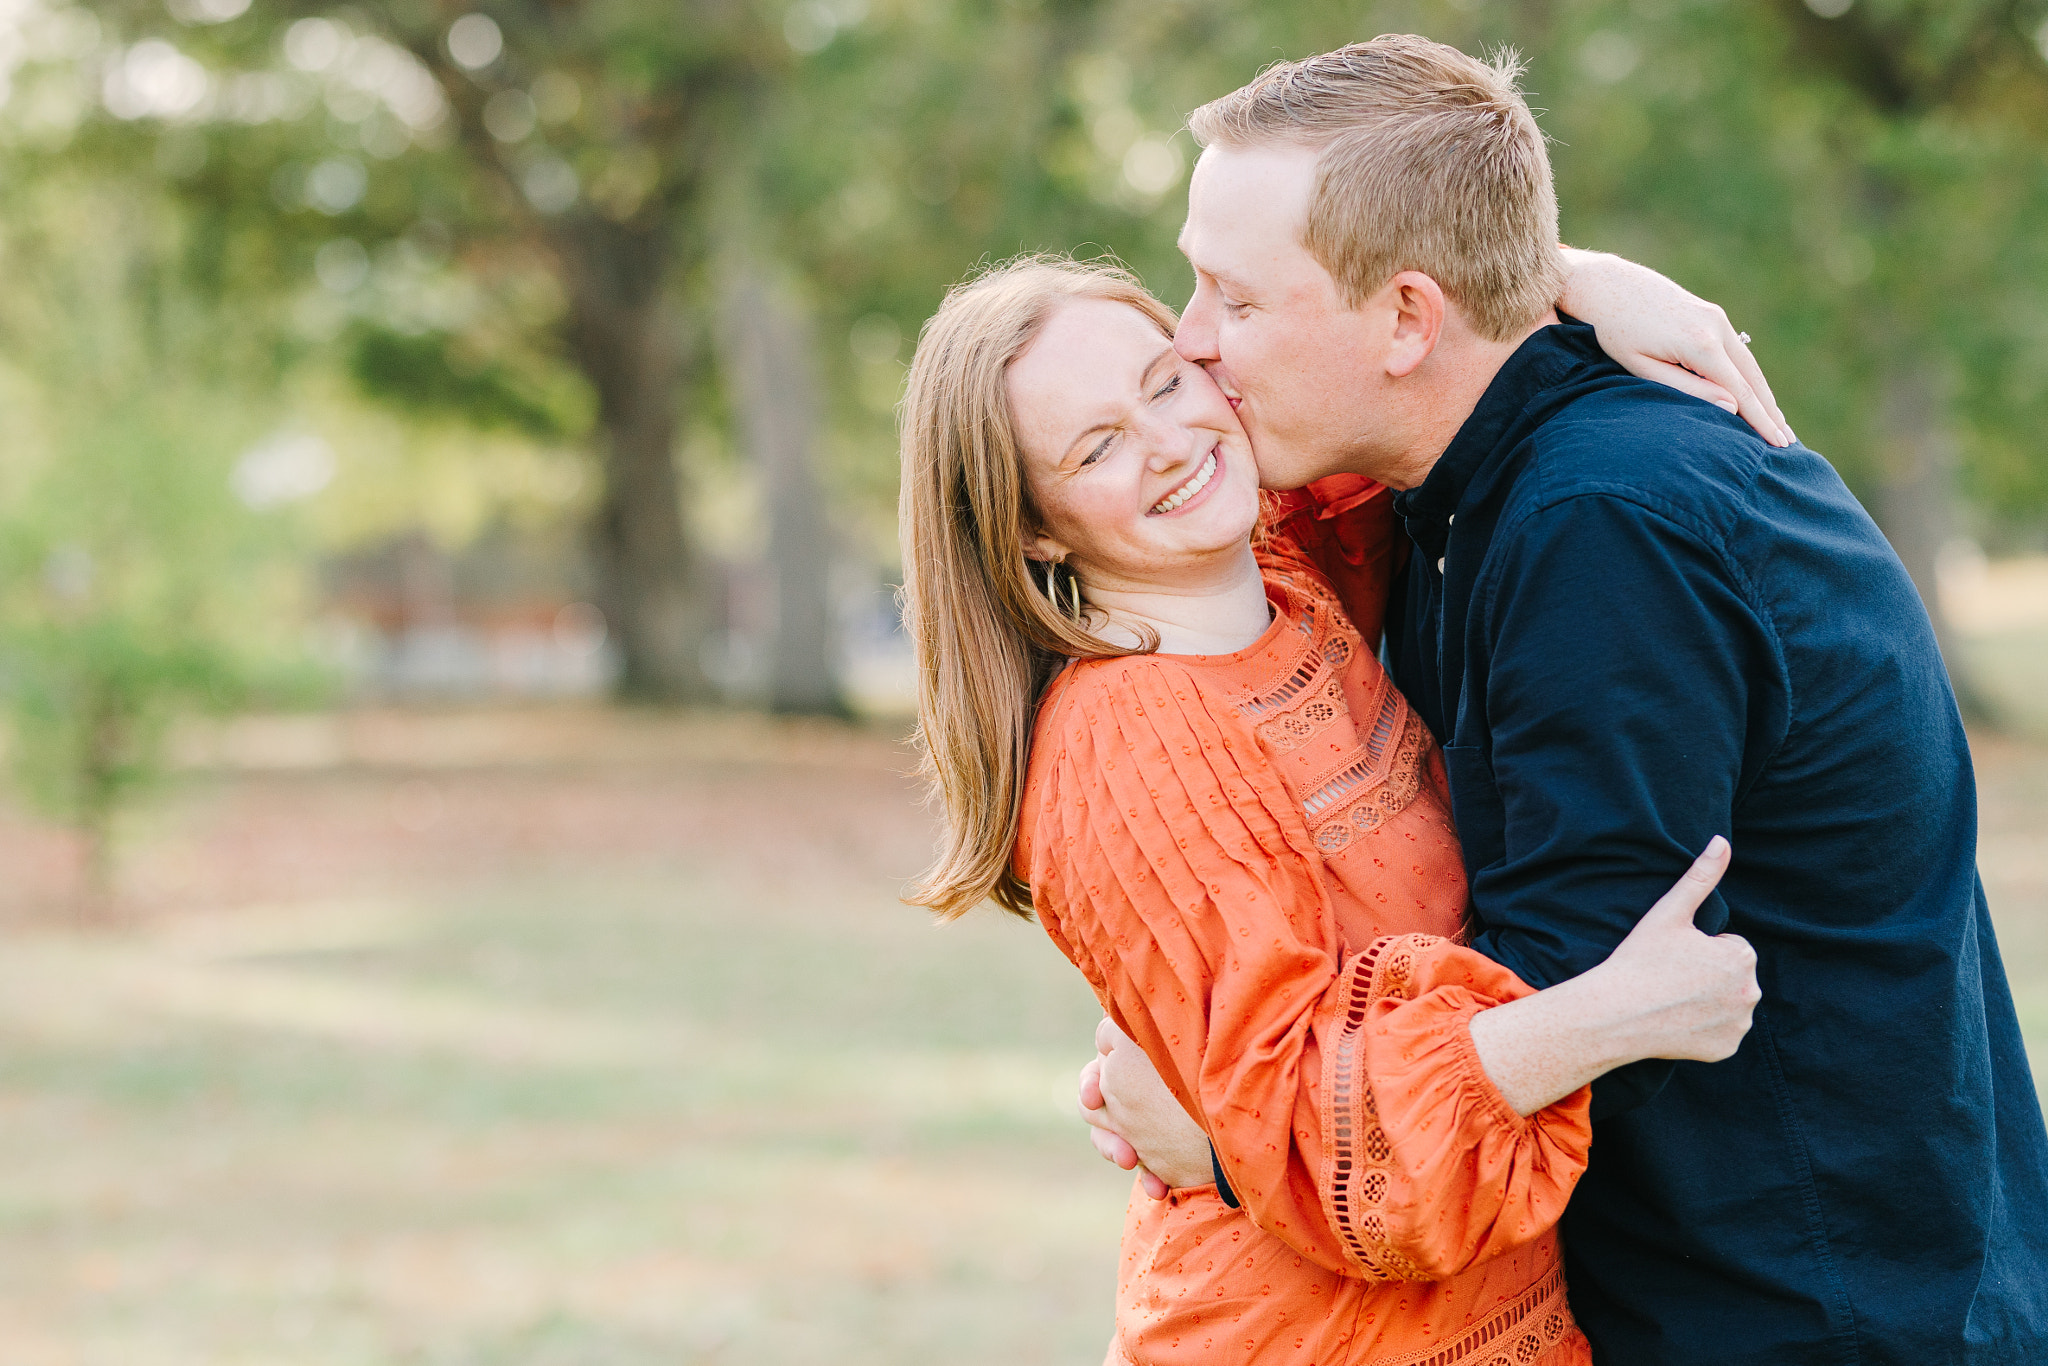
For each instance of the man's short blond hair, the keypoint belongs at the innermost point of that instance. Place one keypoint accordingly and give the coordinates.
(1431, 161)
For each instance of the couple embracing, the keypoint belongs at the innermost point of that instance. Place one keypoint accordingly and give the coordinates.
(1389, 812)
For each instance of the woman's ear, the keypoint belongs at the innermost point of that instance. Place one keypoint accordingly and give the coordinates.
(1042, 549)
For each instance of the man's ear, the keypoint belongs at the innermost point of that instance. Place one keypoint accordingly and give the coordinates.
(1416, 308)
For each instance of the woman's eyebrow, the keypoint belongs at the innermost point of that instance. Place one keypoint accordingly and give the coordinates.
(1144, 384)
(1145, 380)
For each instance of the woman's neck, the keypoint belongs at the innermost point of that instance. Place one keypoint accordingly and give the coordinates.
(1218, 613)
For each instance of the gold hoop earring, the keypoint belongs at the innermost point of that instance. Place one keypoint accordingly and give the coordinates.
(1051, 594)
(1074, 592)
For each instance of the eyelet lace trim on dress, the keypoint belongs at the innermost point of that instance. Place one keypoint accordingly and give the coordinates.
(1358, 1163)
(1520, 1333)
(1382, 775)
(1304, 674)
(1358, 1168)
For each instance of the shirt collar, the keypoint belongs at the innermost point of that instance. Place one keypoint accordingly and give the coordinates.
(1543, 359)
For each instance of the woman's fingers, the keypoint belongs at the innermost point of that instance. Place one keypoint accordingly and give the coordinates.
(1113, 1148)
(1714, 363)
(1153, 1186)
(1108, 1036)
(1737, 346)
(1744, 953)
(1091, 1085)
(1693, 888)
(1715, 360)
(1685, 381)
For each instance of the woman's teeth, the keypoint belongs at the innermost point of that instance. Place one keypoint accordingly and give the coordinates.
(1189, 489)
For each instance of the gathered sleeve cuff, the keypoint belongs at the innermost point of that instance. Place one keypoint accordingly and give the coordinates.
(1427, 1170)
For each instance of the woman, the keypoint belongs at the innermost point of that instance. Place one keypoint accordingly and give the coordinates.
(1178, 748)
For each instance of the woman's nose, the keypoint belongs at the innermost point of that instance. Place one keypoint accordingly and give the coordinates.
(1166, 444)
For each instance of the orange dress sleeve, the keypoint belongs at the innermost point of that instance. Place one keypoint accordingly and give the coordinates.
(1344, 528)
(1345, 1099)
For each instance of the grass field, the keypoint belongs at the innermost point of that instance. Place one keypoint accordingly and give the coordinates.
(619, 1052)
(573, 1039)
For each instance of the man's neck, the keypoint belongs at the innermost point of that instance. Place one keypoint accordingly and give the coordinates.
(1450, 385)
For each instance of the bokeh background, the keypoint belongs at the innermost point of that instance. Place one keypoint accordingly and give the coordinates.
(455, 709)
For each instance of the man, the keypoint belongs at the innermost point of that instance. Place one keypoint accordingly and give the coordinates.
(1632, 624)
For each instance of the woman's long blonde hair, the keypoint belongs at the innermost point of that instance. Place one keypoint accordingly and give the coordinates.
(988, 634)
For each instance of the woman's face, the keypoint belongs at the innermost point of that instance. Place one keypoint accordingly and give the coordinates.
(1133, 455)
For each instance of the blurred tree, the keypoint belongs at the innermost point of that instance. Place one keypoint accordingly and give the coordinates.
(550, 163)
(144, 569)
(1860, 183)
(582, 139)
(770, 364)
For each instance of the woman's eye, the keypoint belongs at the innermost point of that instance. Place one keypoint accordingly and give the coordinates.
(1168, 387)
(1098, 452)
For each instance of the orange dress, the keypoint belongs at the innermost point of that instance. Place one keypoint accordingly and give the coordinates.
(1251, 859)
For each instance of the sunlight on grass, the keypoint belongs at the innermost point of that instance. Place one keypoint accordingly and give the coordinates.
(604, 1069)
(572, 1119)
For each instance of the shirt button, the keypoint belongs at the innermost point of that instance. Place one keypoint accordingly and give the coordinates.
(1439, 566)
(1451, 520)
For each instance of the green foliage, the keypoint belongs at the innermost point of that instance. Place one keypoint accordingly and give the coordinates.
(134, 585)
(436, 375)
(1863, 192)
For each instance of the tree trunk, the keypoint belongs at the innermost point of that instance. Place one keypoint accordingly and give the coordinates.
(623, 338)
(771, 368)
(102, 740)
(1916, 498)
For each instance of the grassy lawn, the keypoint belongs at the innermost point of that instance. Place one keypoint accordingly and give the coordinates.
(682, 1084)
(565, 1039)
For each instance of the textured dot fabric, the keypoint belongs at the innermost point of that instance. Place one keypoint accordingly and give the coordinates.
(1251, 859)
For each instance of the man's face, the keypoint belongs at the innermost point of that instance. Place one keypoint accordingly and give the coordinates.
(1269, 323)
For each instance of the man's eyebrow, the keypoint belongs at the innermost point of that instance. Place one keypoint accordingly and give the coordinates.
(1221, 277)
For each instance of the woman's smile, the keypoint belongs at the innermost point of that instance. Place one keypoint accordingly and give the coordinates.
(1137, 465)
(1192, 489)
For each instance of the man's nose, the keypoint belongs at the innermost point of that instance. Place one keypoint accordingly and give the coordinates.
(1195, 338)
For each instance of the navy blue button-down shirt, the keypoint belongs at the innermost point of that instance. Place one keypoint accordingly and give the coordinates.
(1648, 628)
